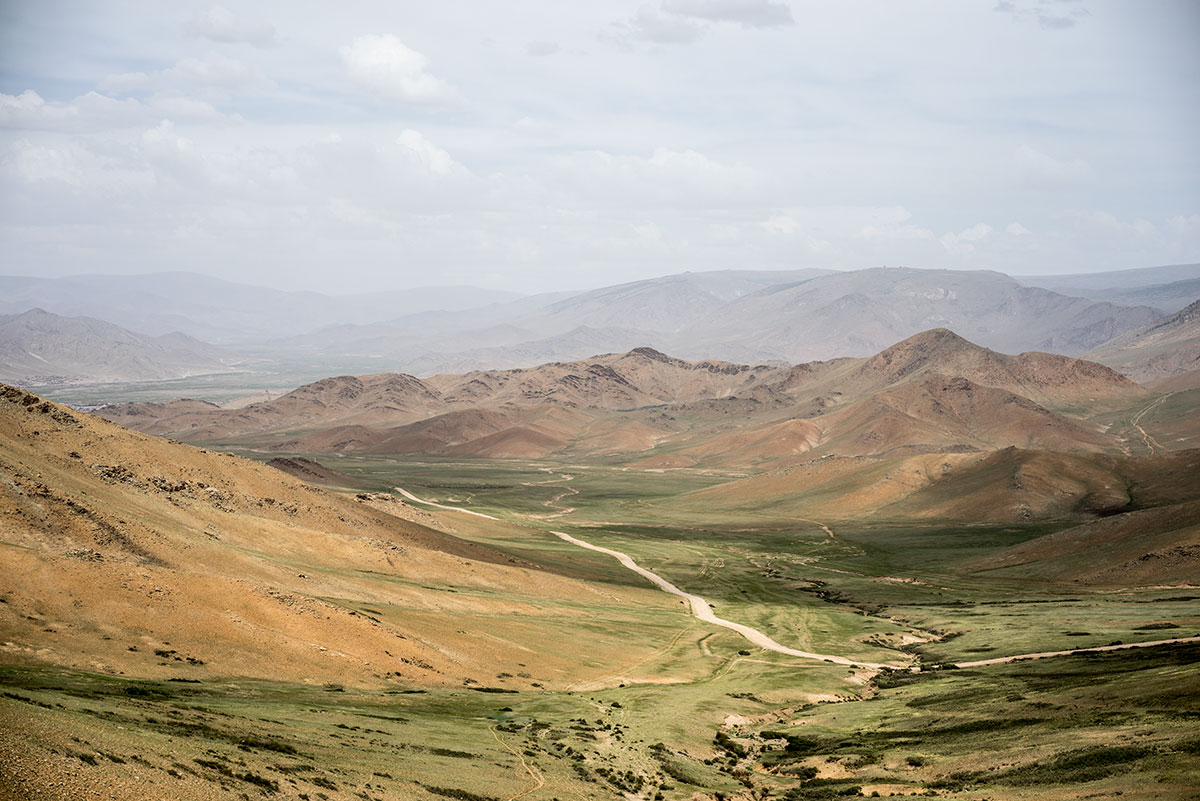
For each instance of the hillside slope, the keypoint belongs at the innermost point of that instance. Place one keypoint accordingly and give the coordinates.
(127, 553)
(1162, 350)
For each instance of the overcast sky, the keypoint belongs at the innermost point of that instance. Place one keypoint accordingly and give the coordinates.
(541, 144)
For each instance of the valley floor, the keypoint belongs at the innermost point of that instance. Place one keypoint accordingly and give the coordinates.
(674, 707)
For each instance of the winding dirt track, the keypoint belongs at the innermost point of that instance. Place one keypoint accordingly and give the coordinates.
(1004, 660)
(1150, 442)
(702, 610)
(412, 497)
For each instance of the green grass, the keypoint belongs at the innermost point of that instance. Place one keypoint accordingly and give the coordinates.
(702, 709)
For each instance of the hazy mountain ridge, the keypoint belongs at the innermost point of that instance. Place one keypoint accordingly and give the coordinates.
(222, 311)
(1164, 349)
(38, 347)
(1167, 288)
(786, 316)
(861, 312)
(742, 316)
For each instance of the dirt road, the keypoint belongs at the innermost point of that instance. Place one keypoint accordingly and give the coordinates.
(412, 497)
(703, 611)
(1004, 660)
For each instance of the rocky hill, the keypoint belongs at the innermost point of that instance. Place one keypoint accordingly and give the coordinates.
(929, 393)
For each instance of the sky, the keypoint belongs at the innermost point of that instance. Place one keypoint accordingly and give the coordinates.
(538, 145)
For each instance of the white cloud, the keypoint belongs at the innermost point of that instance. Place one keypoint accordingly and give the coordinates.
(684, 21)
(88, 112)
(684, 178)
(540, 49)
(1042, 11)
(212, 70)
(219, 24)
(1016, 229)
(430, 156)
(963, 243)
(1039, 169)
(124, 82)
(652, 25)
(385, 67)
(751, 13)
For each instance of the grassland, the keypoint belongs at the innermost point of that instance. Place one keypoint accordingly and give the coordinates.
(701, 711)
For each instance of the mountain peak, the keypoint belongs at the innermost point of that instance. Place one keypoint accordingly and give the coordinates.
(651, 353)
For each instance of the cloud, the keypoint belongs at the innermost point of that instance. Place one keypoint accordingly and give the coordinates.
(430, 156)
(685, 21)
(88, 112)
(212, 70)
(845, 223)
(651, 25)
(963, 243)
(382, 65)
(1042, 170)
(219, 24)
(1044, 13)
(1016, 229)
(750, 13)
(541, 49)
(665, 178)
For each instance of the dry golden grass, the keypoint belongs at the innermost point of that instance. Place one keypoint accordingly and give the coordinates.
(117, 545)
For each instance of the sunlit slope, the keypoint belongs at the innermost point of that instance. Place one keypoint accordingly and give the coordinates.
(127, 553)
(1005, 485)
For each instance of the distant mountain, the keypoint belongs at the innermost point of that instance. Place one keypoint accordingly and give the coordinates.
(667, 304)
(1165, 348)
(37, 347)
(861, 312)
(540, 328)
(1168, 288)
(932, 392)
(223, 311)
(749, 316)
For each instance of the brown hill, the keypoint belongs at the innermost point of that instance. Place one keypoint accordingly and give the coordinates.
(1042, 377)
(933, 391)
(1008, 485)
(342, 400)
(1146, 547)
(128, 553)
(936, 412)
(1159, 351)
(313, 472)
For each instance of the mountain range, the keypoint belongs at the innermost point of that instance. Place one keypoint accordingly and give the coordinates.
(739, 316)
(37, 347)
(932, 392)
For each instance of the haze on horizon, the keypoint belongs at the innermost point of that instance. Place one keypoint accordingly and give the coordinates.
(542, 146)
